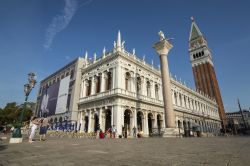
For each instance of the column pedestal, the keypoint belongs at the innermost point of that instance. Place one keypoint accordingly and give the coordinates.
(171, 132)
(16, 140)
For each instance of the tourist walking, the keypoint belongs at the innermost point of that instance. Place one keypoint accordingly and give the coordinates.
(101, 135)
(34, 124)
(113, 131)
(134, 131)
(44, 127)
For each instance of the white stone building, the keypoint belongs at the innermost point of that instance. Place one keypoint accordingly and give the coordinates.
(121, 90)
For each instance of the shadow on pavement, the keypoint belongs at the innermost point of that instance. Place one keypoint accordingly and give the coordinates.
(3, 147)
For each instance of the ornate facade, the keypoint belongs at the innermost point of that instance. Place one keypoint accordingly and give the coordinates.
(121, 90)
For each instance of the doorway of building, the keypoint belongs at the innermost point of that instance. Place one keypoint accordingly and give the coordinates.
(96, 123)
(139, 121)
(127, 126)
(150, 126)
(108, 120)
(86, 126)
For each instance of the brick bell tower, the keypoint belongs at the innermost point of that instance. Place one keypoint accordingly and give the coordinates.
(203, 68)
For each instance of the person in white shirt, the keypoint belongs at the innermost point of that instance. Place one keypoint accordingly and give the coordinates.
(35, 123)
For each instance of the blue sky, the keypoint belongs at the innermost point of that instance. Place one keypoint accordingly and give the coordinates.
(43, 35)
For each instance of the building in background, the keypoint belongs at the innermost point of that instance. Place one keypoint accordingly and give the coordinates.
(59, 93)
(236, 120)
(203, 68)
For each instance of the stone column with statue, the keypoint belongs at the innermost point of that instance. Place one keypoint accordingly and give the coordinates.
(162, 48)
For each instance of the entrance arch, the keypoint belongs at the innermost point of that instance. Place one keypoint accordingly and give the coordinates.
(86, 126)
(159, 123)
(150, 123)
(189, 129)
(127, 122)
(179, 126)
(139, 121)
(96, 122)
(108, 115)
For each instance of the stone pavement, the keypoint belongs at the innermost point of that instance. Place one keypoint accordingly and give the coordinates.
(234, 151)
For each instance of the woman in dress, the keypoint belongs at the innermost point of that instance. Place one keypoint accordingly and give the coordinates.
(34, 124)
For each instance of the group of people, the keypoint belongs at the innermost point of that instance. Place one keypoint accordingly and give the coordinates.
(111, 131)
(42, 123)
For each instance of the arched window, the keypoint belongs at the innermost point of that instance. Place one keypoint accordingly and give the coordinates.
(156, 91)
(138, 85)
(180, 98)
(185, 101)
(98, 84)
(109, 81)
(189, 104)
(199, 54)
(202, 53)
(194, 56)
(148, 89)
(175, 98)
(127, 81)
(88, 91)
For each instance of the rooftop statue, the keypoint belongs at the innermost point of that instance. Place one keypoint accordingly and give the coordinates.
(162, 36)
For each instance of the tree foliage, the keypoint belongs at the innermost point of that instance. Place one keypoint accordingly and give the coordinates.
(11, 113)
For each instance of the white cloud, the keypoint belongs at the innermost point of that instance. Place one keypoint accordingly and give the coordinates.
(60, 22)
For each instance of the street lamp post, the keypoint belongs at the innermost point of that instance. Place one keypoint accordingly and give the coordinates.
(17, 135)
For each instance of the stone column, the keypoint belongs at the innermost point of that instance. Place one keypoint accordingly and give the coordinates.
(183, 101)
(122, 78)
(143, 86)
(135, 119)
(118, 118)
(162, 48)
(84, 122)
(87, 86)
(100, 119)
(81, 122)
(93, 84)
(90, 122)
(103, 82)
(155, 120)
(172, 94)
(113, 78)
(133, 82)
(152, 89)
(178, 103)
(160, 92)
(112, 115)
(118, 77)
(82, 89)
(146, 123)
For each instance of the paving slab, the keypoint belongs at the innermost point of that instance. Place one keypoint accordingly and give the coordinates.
(221, 151)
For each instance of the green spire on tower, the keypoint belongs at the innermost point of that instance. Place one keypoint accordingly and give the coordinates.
(195, 31)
